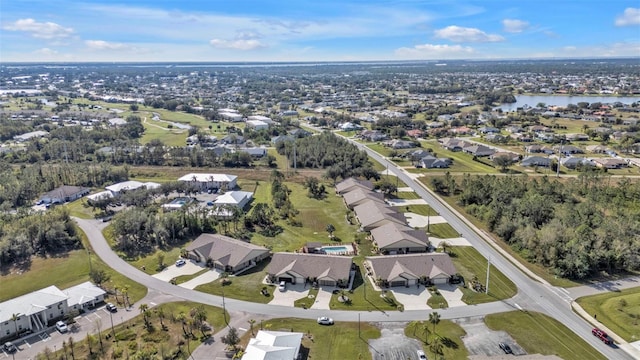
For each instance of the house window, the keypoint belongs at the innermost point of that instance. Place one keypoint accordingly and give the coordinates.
(19, 327)
(61, 312)
(8, 331)
(50, 316)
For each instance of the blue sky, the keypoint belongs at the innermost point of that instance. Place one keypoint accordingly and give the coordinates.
(327, 30)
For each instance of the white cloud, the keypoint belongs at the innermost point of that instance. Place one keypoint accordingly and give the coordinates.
(631, 16)
(434, 51)
(106, 45)
(239, 44)
(464, 34)
(40, 30)
(46, 52)
(515, 25)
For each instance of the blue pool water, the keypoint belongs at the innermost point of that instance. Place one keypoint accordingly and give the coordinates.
(335, 249)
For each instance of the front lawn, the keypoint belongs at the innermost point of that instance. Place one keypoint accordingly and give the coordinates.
(449, 334)
(424, 210)
(364, 297)
(619, 311)
(443, 231)
(539, 334)
(245, 286)
(471, 264)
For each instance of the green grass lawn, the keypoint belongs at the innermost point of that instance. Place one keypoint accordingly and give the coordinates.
(470, 263)
(443, 231)
(245, 286)
(380, 149)
(365, 298)
(80, 209)
(63, 272)
(344, 340)
(307, 301)
(437, 301)
(449, 332)
(462, 162)
(619, 311)
(540, 334)
(184, 278)
(406, 195)
(159, 131)
(424, 210)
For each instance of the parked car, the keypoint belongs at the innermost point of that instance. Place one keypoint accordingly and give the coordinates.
(62, 326)
(9, 347)
(421, 355)
(282, 286)
(506, 348)
(601, 335)
(180, 262)
(111, 308)
(323, 320)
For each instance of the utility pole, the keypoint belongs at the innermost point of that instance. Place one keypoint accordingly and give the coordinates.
(90, 268)
(359, 325)
(488, 267)
(559, 158)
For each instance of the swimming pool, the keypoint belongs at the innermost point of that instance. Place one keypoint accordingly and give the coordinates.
(335, 249)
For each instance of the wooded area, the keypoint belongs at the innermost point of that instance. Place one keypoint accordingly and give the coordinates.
(577, 227)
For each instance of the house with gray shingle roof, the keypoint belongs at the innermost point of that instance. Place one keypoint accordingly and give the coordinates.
(358, 196)
(226, 254)
(298, 268)
(394, 238)
(408, 270)
(372, 214)
(349, 184)
(63, 194)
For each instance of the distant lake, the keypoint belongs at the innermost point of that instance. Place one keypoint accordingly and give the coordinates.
(564, 100)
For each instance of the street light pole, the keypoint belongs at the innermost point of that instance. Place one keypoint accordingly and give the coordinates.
(488, 267)
(113, 331)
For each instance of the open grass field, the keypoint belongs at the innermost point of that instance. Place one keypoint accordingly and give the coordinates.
(462, 162)
(619, 311)
(470, 264)
(406, 195)
(540, 334)
(424, 210)
(160, 131)
(63, 272)
(379, 148)
(340, 341)
(164, 339)
(450, 333)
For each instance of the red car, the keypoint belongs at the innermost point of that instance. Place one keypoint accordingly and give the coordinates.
(601, 335)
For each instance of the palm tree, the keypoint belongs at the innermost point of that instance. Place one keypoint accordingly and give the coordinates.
(182, 318)
(427, 332)
(14, 318)
(160, 313)
(73, 356)
(251, 323)
(434, 318)
(330, 230)
(144, 308)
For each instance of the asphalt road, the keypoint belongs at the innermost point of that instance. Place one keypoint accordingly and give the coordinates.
(532, 295)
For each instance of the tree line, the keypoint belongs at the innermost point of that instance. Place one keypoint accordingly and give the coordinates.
(576, 228)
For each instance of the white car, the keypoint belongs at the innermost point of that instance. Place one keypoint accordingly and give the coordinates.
(180, 262)
(282, 286)
(421, 355)
(62, 326)
(323, 320)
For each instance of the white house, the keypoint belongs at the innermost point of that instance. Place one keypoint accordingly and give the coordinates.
(84, 296)
(30, 135)
(257, 124)
(273, 345)
(130, 185)
(211, 181)
(239, 199)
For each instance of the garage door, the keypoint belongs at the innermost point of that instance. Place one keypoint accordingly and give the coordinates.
(397, 283)
(285, 279)
(327, 283)
(439, 280)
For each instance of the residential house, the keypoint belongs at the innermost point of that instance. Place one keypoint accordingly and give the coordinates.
(393, 238)
(35, 311)
(63, 194)
(373, 135)
(511, 156)
(282, 138)
(350, 184)
(205, 181)
(84, 296)
(225, 253)
(232, 139)
(239, 199)
(432, 162)
(399, 144)
(372, 214)
(478, 150)
(536, 161)
(489, 130)
(577, 137)
(410, 270)
(117, 122)
(299, 133)
(359, 196)
(273, 345)
(539, 149)
(299, 268)
(30, 135)
(418, 154)
(257, 152)
(574, 162)
(567, 149)
(415, 133)
(597, 149)
(610, 163)
(461, 130)
(257, 125)
(453, 144)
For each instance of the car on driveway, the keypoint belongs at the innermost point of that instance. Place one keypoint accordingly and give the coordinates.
(180, 262)
(111, 308)
(9, 347)
(62, 326)
(421, 355)
(324, 320)
(506, 348)
(282, 286)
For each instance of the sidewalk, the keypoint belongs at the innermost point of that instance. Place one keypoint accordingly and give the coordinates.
(620, 342)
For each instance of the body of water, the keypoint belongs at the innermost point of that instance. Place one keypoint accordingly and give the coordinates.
(564, 100)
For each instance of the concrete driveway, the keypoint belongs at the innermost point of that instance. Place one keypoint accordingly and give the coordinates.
(323, 298)
(406, 202)
(412, 298)
(435, 242)
(452, 294)
(209, 276)
(480, 340)
(291, 294)
(190, 268)
(415, 220)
